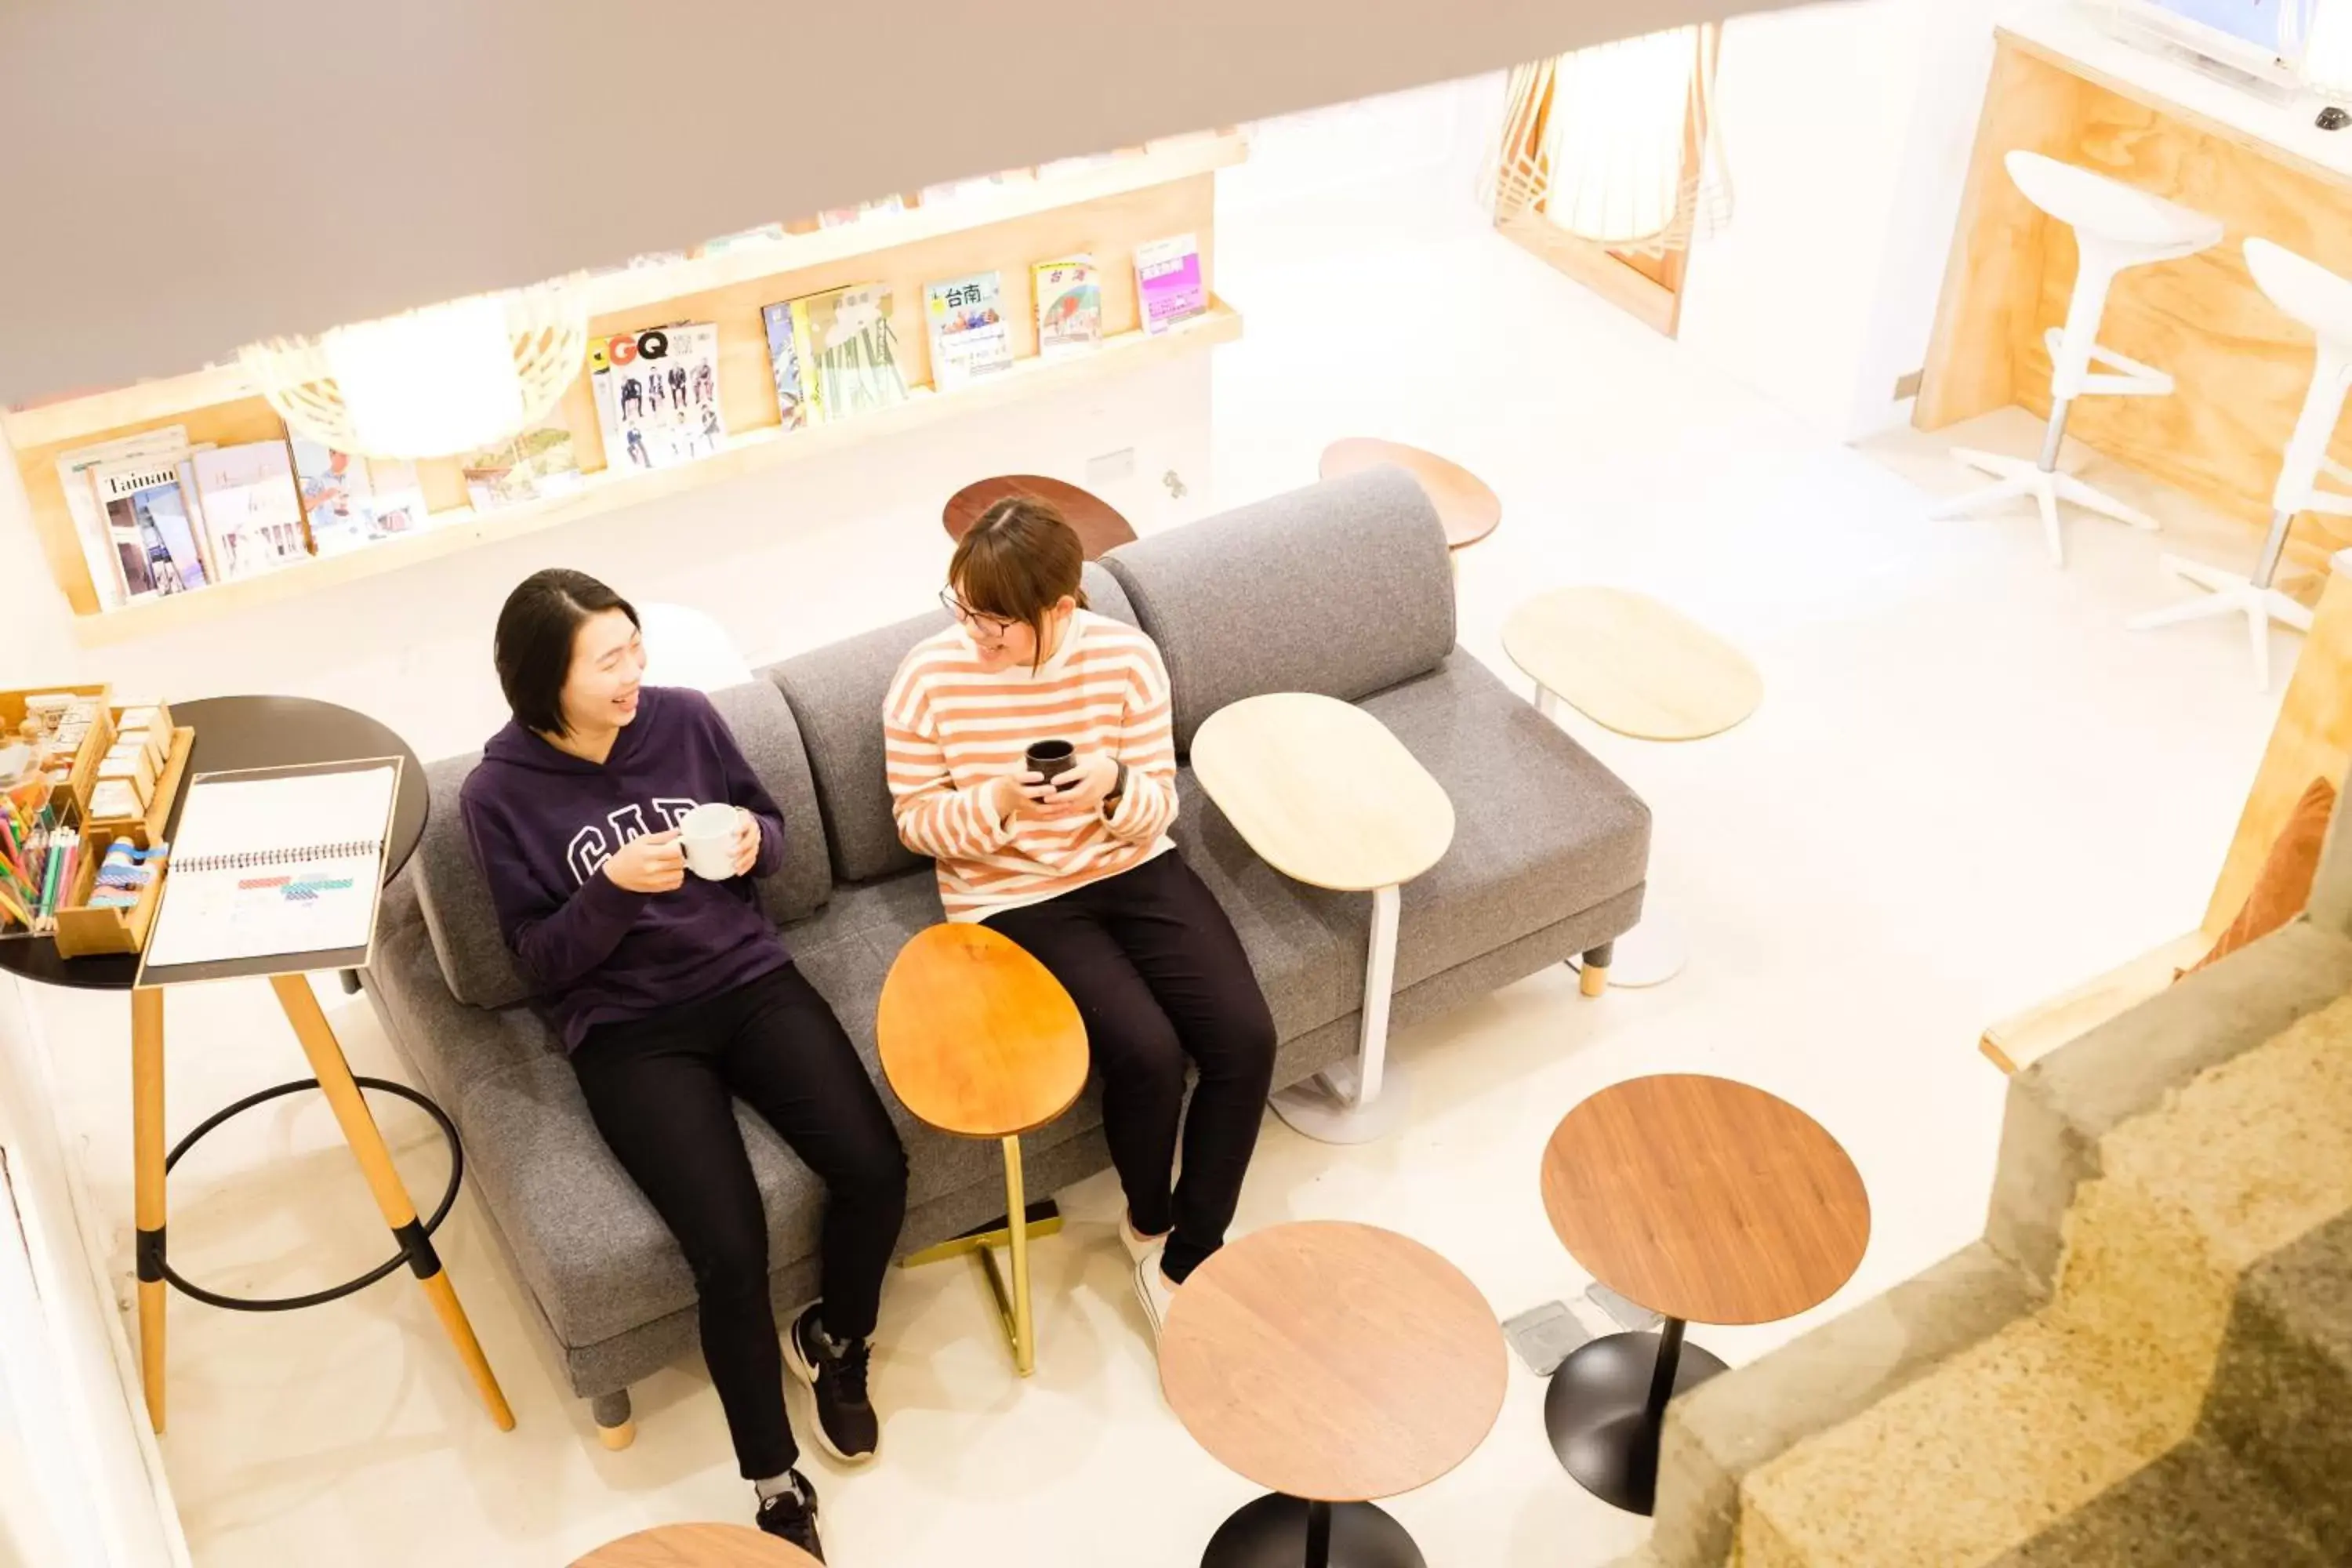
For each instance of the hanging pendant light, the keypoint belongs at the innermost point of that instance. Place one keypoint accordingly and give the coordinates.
(445, 378)
(1632, 158)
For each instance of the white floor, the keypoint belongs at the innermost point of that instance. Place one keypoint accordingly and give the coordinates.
(1967, 785)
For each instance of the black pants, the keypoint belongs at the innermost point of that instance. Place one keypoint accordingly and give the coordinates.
(662, 1090)
(1160, 977)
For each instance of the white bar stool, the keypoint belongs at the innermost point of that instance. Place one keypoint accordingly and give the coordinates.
(2116, 227)
(2321, 301)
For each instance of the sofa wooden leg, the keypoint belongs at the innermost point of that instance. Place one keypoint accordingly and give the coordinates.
(1594, 971)
(615, 1427)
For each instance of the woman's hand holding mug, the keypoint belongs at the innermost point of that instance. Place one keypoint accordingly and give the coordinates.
(649, 863)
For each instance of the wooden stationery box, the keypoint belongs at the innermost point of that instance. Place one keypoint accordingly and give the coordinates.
(145, 831)
(83, 932)
(94, 745)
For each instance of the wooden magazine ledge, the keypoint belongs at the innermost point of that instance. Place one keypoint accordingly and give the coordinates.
(610, 491)
(1109, 210)
(2313, 739)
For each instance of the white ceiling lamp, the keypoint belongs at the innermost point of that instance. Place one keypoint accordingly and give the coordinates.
(1632, 158)
(442, 380)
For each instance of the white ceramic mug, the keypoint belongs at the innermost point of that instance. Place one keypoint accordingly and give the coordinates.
(707, 834)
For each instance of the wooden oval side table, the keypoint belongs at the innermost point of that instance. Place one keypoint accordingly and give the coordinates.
(1328, 797)
(1468, 507)
(1335, 1365)
(1698, 1198)
(978, 1039)
(697, 1546)
(1099, 527)
(1644, 669)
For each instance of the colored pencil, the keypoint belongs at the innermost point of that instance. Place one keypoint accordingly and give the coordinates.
(15, 911)
(49, 879)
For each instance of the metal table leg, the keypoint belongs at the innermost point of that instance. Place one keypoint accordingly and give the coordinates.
(1365, 1099)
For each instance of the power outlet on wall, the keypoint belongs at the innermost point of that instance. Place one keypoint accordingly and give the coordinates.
(1110, 468)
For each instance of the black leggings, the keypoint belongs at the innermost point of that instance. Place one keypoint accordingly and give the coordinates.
(1159, 976)
(662, 1089)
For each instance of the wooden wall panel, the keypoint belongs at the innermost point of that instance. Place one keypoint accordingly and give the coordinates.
(2242, 367)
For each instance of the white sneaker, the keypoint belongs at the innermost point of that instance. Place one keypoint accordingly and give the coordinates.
(1152, 1288)
(1139, 1246)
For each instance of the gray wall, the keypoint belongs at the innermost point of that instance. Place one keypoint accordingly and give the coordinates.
(181, 176)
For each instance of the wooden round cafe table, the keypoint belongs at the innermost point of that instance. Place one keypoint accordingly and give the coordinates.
(1333, 1364)
(1698, 1198)
(697, 1546)
(1099, 527)
(1468, 509)
(979, 1039)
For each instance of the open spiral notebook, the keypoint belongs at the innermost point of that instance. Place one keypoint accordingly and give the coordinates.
(273, 871)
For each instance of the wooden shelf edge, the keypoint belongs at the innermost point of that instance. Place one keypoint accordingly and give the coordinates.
(71, 419)
(755, 452)
(2017, 1042)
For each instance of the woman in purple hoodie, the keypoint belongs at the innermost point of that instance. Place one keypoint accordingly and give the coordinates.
(674, 997)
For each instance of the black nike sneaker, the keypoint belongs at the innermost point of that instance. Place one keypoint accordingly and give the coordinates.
(835, 1371)
(791, 1517)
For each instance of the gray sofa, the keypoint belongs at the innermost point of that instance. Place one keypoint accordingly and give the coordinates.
(1341, 589)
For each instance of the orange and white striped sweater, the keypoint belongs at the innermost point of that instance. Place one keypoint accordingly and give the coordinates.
(952, 726)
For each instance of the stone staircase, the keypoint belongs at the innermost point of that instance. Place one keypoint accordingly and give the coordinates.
(2146, 1361)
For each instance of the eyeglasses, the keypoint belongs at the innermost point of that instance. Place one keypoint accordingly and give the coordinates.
(991, 625)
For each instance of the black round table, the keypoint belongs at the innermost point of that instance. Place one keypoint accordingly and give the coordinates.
(235, 734)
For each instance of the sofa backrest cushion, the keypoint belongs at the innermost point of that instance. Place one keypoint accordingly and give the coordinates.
(1341, 588)
(836, 693)
(456, 901)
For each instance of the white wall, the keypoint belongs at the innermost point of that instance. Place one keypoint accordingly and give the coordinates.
(1847, 129)
(372, 158)
(82, 1484)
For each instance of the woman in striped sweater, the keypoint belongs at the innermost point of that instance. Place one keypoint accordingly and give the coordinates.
(1080, 872)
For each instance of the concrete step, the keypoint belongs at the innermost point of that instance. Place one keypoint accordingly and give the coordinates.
(2009, 1437)
(2197, 1507)
(2282, 1397)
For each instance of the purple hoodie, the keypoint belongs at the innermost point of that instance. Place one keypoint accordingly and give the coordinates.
(544, 822)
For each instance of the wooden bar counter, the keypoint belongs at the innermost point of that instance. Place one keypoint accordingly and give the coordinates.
(2064, 85)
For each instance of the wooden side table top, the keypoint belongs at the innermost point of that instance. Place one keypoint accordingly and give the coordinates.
(1632, 664)
(1333, 1362)
(1705, 1199)
(1465, 505)
(975, 1037)
(697, 1546)
(1323, 792)
(1099, 526)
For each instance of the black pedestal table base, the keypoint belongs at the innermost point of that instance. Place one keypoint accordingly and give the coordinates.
(1607, 1403)
(1279, 1532)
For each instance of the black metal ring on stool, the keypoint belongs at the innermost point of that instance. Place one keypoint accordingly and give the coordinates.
(349, 1287)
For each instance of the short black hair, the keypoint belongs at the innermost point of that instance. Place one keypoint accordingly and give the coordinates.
(533, 645)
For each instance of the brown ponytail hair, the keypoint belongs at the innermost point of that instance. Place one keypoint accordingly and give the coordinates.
(1019, 561)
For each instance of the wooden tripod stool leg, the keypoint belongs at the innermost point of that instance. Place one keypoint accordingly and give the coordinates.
(147, 1170)
(360, 1130)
